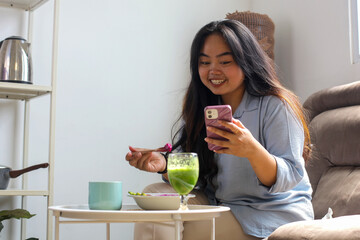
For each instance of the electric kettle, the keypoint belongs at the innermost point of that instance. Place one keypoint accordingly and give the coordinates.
(15, 60)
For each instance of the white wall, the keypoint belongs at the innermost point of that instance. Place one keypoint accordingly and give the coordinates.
(122, 71)
(312, 45)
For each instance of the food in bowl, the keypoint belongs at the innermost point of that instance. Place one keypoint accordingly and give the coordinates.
(158, 201)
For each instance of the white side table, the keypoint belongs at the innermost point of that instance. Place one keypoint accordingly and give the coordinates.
(132, 213)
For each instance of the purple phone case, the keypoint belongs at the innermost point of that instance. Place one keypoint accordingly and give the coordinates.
(224, 113)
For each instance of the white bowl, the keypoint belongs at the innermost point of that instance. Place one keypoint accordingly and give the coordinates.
(158, 201)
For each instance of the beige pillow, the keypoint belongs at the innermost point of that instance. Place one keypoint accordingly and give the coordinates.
(340, 228)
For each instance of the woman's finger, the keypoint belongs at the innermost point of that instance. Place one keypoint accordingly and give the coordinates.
(218, 131)
(238, 123)
(144, 162)
(133, 162)
(225, 134)
(133, 149)
(220, 143)
(128, 156)
(223, 150)
(235, 126)
(132, 156)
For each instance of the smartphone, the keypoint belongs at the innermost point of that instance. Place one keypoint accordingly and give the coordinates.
(212, 115)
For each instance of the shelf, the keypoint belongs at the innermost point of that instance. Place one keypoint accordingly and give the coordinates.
(22, 91)
(23, 4)
(13, 192)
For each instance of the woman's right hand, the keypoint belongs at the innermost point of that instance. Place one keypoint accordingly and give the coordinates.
(150, 161)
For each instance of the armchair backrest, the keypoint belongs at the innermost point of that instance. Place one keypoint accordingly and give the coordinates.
(334, 166)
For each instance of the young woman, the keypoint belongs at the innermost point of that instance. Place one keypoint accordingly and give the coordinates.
(260, 172)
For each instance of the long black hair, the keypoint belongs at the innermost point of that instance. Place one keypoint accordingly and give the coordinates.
(260, 80)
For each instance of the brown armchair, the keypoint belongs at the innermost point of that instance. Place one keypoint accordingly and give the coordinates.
(334, 167)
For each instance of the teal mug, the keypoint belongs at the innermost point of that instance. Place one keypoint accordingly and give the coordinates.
(105, 195)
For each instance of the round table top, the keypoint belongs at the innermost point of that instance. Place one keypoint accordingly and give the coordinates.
(132, 213)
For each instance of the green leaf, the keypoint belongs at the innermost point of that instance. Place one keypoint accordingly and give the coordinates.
(16, 213)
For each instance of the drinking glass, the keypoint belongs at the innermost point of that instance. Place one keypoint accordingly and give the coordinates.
(183, 173)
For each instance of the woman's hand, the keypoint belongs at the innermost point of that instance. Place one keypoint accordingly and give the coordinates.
(241, 143)
(150, 162)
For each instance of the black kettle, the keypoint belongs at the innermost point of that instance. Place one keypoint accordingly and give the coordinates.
(15, 60)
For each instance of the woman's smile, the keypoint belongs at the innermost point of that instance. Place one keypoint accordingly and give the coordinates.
(217, 81)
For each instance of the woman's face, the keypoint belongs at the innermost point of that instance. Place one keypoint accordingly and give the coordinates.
(218, 70)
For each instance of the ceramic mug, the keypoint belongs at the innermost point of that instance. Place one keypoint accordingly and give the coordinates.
(105, 195)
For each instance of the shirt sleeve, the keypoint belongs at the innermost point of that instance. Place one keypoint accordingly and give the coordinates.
(283, 137)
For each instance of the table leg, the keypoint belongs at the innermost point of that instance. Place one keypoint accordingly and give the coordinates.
(178, 224)
(212, 229)
(107, 231)
(56, 227)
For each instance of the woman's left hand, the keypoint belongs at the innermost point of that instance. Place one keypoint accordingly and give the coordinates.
(240, 141)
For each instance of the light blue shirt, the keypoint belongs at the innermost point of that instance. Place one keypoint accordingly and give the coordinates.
(258, 208)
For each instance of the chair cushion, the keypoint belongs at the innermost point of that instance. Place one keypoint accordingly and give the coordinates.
(339, 189)
(340, 228)
(335, 135)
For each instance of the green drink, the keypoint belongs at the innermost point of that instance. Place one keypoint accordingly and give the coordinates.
(183, 172)
(183, 180)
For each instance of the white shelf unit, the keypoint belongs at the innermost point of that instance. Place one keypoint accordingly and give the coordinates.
(26, 93)
(28, 5)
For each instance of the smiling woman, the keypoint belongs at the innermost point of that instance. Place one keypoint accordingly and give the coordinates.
(258, 170)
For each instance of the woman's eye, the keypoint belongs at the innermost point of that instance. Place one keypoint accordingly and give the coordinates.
(225, 62)
(204, 63)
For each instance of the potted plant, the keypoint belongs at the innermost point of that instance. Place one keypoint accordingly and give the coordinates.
(17, 214)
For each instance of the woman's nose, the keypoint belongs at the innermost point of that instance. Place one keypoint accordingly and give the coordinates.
(214, 67)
